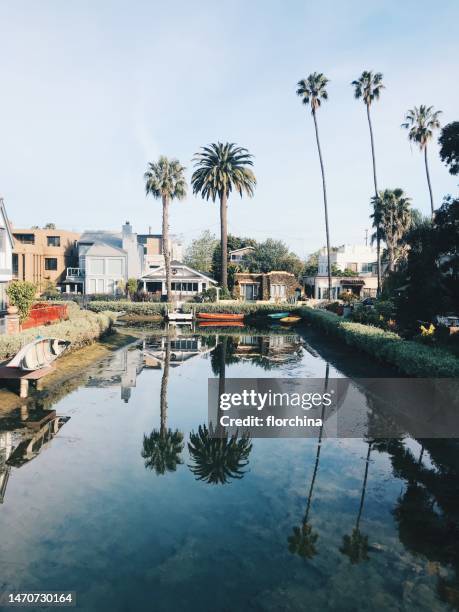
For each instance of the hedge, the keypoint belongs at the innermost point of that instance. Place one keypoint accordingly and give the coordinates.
(138, 308)
(247, 308)
(81, 328)
(411, 358)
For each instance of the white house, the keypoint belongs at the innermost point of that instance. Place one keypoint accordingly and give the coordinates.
(6, 255)
(186, 282)
(359, 267)
(239, 255)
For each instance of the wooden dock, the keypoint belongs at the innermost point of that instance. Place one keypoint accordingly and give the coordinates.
(24, 377)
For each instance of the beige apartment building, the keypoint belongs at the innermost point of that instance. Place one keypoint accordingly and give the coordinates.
(43, 255)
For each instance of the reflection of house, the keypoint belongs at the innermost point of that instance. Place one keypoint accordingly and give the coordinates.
(238, 256)
(359, 275)
(120, 371)
(6, 447)
(273, 286)
(182, 349)
(6, 247)
(186, 282)
(275, 349)
(43, 255)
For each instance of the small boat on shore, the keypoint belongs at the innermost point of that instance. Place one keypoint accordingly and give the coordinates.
(38, 354)
(278, 315)
(290, 320)
(219, 316)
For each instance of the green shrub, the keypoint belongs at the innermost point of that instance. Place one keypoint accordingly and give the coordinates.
(408, 357)
(247, 308)
(81, 328)
(22, 295)
(138, 308)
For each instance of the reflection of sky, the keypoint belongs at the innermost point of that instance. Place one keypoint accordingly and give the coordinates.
(86, 515)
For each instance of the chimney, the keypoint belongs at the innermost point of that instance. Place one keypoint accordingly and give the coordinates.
(127, 229)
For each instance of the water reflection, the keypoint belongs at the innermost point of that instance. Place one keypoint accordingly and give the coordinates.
(162, 449)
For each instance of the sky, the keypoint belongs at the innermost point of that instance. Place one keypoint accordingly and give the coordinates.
(93, 91)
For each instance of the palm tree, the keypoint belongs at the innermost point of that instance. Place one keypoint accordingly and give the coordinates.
(312, 91)
(165, 180)
(355, 546)
(220, 169)
(368, 87)
(421, 122)
(161, 449)
(391, 220)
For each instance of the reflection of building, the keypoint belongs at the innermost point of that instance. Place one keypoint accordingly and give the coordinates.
(275, 349)
(120, 371)
(353, 268)
(182, 349)
(6, 447)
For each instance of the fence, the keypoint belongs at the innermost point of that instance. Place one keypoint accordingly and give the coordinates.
(42, 314)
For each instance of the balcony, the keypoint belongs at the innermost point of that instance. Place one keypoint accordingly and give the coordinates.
(74, 275)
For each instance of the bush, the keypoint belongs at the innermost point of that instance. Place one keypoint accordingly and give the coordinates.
(138, 308)
(247, 308)
(408, 357)
(81, 328)
(22, 295)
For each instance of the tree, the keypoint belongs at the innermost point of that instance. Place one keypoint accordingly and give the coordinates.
(165, 180)
(200, 252)
(312, 91)
(449, 146)
(368, 87)
(51, 226)
(131, 286)
(274, 255)
(233, 242)
(421, 122)
(311, 266)
(22, 295)
(391, 220)
(161, 449)
(220, 169)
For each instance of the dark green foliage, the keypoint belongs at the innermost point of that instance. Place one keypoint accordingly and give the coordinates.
(302, 542)
(274, 255)
(449, 146)
(161, 450)
(218, 460)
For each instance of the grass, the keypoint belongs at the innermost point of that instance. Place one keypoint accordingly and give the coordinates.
(410, 358)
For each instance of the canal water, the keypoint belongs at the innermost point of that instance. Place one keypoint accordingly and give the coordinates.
(124, 498)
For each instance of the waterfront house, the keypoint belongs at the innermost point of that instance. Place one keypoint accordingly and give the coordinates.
(42, 256)
(6, 249)
(275, 286)
(354, 270)
(238, 256)
(153, 249)
(186, 282)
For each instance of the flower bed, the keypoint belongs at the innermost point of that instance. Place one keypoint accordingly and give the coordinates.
(408, 357)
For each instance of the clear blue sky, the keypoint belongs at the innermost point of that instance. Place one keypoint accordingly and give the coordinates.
(91, 91)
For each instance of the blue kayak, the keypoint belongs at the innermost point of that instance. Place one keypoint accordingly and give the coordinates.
(278, 315)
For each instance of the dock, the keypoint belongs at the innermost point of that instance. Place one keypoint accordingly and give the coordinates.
(24, 377)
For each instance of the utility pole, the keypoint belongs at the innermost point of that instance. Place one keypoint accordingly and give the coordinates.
(366, 237)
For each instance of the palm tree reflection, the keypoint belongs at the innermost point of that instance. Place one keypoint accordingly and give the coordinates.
(161, 449)
(217, 456)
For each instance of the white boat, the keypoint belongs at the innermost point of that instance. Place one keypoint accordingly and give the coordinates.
(38, 354)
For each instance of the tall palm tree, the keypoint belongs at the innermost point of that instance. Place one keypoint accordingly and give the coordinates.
(161, 449)
(165, 180)
(312, 91)
(421, 122)
(220, 169)
(391, 220)
(368, 87)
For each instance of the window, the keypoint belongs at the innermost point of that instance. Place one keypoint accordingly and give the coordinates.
(368, 267)
(278, 291)
(96, 266)
(182, 287)
(54, 241)
(2, 239)
(50, 263)
(115, 266)
(352, 266)
(15, 264)
(25, 238)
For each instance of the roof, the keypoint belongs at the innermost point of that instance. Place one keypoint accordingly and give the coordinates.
(160, 272)
(113, 239)
(6, 220)
(101, 248)
(242, 249)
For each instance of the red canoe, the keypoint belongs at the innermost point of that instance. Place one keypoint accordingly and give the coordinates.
(219, 316)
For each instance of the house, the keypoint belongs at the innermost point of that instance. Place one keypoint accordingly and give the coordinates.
(237, 256)
(42, 256)
(6, 250)
(105, 261)
(354, 271)
(153, 249)
(186, 282)
(275, 286)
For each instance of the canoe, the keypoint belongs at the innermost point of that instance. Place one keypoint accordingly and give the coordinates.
(278, 315)
(220, 324)
(219, 316)
(38, 354)
(290, 320)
